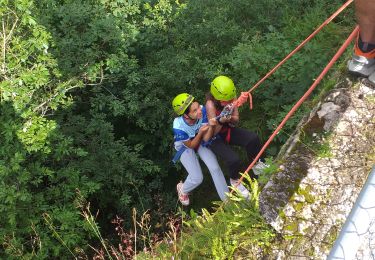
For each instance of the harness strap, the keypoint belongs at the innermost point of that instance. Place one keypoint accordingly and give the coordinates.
(177, 156)
(227, 137)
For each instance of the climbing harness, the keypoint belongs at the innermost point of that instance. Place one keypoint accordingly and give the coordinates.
(178, 154)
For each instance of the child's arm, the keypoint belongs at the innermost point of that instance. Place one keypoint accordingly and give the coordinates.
(194, 143)
(210, 132)
(235, 117)
(211, 114)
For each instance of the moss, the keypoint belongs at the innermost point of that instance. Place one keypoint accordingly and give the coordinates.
(320, 149)
(310, 251)
(326, 86)
(306, 194)
(298, 206)
(282, 215)
(370, 99)
(308, 188)
(292, 227)
(298, 243)
(330, 238)
(324, 151)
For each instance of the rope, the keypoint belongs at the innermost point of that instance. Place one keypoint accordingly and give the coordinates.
(245, 95)
(303, 98)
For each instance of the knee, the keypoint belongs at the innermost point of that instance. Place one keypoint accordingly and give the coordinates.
(252, 138)
(215, 170)
(196, 181)
(253, 142)
(234, 163)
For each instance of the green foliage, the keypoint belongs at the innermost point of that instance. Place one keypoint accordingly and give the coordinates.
(268, 172)
(49, 150)
(85, 97)
(31, 184)
(318, 144)
(253, 58)
(236, 228)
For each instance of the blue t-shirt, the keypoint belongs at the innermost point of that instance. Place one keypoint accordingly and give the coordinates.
(183, 132)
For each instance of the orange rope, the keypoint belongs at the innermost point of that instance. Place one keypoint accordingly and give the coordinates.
(303, 98)
(244, 95)
(243, 98)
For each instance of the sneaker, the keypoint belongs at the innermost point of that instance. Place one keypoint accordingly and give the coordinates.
(237, 185)
(259, 167)
(182, 197)
(362, 63)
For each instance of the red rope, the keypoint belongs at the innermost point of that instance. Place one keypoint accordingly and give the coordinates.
(304, 97)
(245, 95)
(243, 98)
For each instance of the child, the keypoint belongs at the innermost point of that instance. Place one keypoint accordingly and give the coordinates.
(221, 95)
(189, 129)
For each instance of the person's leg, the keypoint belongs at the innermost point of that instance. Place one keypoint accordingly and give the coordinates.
(231, 159)
(251, 142)
(247, 139)
(209, 158)
(195, 177)
(365, 12)
(363, 59)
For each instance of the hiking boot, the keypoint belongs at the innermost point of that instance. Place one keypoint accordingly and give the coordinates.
(237, 185)
(182, 197)
(259, 167)
(362, 63)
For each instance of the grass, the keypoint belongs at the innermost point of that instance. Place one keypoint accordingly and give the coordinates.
(236, 229)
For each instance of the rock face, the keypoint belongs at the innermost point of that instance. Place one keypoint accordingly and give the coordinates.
(324, 166)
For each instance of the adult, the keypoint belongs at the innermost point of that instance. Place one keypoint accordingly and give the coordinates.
(190, 128)
(363, 59)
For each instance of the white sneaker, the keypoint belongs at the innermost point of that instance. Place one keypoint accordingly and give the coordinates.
(362, 63)
(259, 167)
(182, 197)
(237, 185)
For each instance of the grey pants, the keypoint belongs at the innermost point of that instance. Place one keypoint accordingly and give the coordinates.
(190, 161)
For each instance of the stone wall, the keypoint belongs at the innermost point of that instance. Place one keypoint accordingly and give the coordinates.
(323, 168)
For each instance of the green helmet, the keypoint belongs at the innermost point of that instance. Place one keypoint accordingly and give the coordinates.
(223, 89)
(181, 102)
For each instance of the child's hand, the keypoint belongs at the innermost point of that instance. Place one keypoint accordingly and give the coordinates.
(212, 122)
(203, 129)
(225, 119)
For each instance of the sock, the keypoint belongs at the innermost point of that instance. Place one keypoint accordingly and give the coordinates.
(365, 46)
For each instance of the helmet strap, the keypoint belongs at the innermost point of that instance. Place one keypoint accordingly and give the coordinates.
(187, 115)
(189, 119)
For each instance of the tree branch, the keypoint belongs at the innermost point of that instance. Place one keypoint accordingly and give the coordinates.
(6, 37)
(41, 106)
